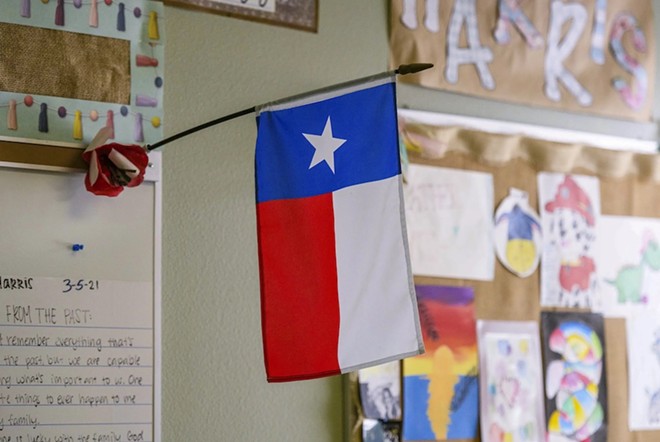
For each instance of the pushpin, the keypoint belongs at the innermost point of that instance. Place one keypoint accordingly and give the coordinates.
(110, 122)
(25, 8)
(94, 15)
(77, 247)
(11, 116)
(59, 13)
(77, 125)
(139, 134)
(153, 25)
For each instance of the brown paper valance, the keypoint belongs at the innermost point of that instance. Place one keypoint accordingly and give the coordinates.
(491, 149)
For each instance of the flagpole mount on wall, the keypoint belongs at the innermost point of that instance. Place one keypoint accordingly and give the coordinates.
(403, 69)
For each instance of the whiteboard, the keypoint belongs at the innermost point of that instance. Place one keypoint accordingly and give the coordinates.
(79, 326)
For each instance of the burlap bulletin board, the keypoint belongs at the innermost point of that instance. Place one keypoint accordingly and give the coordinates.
(629, 185)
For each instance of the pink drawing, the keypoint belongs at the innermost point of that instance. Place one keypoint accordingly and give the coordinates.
(509, 387)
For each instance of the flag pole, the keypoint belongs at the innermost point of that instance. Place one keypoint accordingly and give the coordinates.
(403, 69)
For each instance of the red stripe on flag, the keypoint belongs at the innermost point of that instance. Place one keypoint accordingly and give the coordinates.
(299, 300)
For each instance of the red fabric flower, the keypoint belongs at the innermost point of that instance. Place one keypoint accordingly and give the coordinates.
(113, 166)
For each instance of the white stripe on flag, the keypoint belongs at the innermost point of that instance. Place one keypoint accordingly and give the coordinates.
(377, 304)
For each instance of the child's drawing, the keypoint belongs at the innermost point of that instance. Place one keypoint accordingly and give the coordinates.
(629, 280)
(440, 387)
(630, 264)
(575, 383)
(511, 388)
(449, 222)
(518, 240)
(380, 391)
(643, 333)
(570, 212)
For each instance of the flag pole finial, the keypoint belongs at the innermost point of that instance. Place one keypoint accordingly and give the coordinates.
(413, 68)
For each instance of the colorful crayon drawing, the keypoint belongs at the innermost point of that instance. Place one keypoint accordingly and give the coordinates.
(571, 210)
(575, 377)
(440, 388)
(630, 265)
(511, 386)
(643, 338)
(518, 240)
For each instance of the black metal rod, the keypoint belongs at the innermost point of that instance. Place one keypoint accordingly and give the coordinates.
(404, 69)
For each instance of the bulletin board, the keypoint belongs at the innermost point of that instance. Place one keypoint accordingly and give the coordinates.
(629, 185)
(80, 289)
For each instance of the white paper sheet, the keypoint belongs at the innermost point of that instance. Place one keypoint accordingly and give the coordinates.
(450, 222)
(643, 332)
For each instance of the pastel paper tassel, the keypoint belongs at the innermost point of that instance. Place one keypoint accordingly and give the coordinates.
(145, 60)
(94, 15)
(121, 18)
(59, 13)
(153, 25)
(139, 133)
(110, 123)
(11, 116)
(77, 126)
(146, 101)
(43, 118)
(25, 8)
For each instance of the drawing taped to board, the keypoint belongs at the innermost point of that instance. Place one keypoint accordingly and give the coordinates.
(643, 332)
(570, 211)
(440, 387)
(575, 381)
(511, 387)
(380, 391)
(374, 430)
(518, 239)
(449, 222)
(629, 265)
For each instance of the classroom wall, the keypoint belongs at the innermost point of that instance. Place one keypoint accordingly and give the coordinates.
(214, 384)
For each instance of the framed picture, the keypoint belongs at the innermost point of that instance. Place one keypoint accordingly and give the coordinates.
(298, 14)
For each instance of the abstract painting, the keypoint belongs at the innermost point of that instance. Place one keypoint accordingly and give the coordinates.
(575, 382)
(441, 397)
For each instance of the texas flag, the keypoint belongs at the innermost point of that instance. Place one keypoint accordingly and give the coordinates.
(337, 293)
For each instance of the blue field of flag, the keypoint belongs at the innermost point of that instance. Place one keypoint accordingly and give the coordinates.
(363, 124)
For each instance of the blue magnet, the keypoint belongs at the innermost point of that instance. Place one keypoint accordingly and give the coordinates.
(77, 247)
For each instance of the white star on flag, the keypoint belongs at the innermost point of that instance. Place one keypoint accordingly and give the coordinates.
(325, 145)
